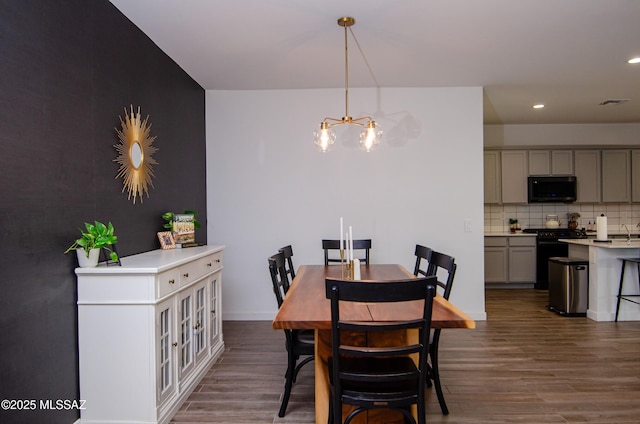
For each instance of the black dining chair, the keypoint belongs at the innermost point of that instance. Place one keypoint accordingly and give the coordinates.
(363, 246)
(444, 268)
(423, 255)
(379, 377)
(288, 256)
(298, 342)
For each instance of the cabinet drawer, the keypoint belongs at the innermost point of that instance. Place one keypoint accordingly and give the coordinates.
(495, 241)
(168, 282)
(196, 269)
(522, 241)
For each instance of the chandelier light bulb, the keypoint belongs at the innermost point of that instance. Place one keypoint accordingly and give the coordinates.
(324, 137)
(370, 137)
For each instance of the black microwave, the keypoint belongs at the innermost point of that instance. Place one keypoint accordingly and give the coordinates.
(546, 189)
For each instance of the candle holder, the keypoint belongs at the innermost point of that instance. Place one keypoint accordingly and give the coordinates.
(341, 262)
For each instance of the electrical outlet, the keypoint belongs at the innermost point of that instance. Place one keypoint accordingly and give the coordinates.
(467, 226)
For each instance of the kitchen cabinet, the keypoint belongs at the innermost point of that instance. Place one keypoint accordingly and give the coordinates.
(147, 332)
(588, 176)
(510, 259)
(514, 173)
(539, 162)
(635, 175)
(562, 162)
(550, 162)
(522, 260)
(616, 176)
(495, 259)
(492, 183)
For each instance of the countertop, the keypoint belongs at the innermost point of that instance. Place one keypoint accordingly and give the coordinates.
(509, 234)
(615, 243)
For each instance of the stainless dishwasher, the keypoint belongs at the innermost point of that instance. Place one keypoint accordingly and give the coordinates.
(568, 286)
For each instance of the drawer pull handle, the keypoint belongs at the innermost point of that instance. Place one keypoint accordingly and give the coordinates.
(172, 281)
(209, 264)
(218, 260)
(185, 275)
(174, 344)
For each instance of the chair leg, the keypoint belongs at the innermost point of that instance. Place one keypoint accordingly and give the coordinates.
(300, 365)
(624, 263)
(436, 373)
(289, 376)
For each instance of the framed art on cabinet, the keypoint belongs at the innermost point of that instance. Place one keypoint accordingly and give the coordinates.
(166, 240)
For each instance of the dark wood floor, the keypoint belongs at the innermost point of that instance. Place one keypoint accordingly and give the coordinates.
(524, 364)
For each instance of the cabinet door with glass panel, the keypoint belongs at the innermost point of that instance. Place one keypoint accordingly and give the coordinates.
(166, 349)
(215, 311)
(192, 324)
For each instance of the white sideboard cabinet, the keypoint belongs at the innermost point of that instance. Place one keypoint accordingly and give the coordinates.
(147, 333)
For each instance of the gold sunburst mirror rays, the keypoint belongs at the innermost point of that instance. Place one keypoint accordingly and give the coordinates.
(135, 152)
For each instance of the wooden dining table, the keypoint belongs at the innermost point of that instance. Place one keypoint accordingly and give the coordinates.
(306, 307)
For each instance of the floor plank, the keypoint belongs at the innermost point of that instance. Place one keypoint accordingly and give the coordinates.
(524, 364)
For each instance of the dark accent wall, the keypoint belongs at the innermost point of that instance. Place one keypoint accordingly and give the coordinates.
(67, 71)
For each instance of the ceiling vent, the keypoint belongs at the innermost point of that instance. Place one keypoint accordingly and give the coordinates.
(613, 102)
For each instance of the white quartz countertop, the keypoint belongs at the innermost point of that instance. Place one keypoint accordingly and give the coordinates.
(614, 244)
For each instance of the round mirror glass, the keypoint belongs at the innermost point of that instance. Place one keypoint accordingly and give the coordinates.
(136, 155)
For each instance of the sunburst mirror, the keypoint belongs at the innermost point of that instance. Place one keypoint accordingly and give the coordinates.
(135, 152)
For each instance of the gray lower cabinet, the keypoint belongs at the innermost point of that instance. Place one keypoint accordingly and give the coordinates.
(510, 259)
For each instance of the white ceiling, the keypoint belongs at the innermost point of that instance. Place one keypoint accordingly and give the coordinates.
(568, 54)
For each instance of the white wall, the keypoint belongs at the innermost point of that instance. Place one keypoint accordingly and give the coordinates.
(267, 186)
(561, 135)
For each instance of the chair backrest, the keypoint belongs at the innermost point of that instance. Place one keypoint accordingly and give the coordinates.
(279, 277)
(372, 292)
(288, 254)
(363, 245)
(439, 264)
(423, 256)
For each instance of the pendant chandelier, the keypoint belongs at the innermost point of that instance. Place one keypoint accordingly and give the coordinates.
(324, 137)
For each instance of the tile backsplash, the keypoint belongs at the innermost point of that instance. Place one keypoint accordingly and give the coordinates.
(496, 217)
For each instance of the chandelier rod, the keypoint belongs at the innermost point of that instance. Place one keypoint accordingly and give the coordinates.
(345, 22)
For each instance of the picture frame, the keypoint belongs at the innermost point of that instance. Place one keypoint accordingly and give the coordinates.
(166, 240)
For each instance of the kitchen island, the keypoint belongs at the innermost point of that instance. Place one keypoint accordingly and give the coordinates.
(604, 276)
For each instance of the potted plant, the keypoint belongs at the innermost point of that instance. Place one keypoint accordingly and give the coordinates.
(94, 237)
(572, 218)
(513, 225)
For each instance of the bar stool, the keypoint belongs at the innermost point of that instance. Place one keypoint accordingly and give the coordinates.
(627, 296)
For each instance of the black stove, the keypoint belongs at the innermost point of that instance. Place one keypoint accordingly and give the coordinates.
(556, 233)
(548, 246)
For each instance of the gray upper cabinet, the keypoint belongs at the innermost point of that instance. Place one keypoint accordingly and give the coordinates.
(562, 162)
(616, 176)
(539, 162)
(492, 181)
(588, 174)
(514, 176)
(635, 175)
(550, 162)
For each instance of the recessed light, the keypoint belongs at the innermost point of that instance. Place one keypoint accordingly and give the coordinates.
(634, 60)
(538, 106)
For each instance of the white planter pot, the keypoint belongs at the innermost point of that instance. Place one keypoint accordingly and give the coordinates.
(89, 262)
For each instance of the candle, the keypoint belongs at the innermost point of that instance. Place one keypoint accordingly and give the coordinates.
(346, 246)
(351, 243)
(341, 235)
